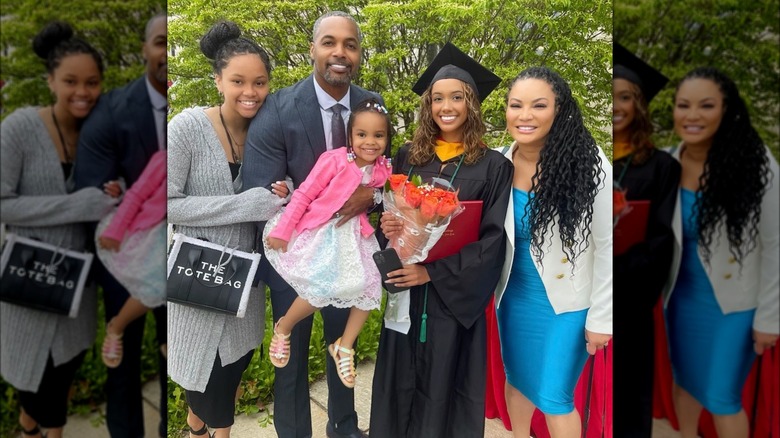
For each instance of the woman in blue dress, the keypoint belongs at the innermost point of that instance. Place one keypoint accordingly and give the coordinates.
(722, 295)
(554, 297)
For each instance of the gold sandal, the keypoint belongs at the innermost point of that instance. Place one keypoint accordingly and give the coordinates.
(279, 350)
(345, 366)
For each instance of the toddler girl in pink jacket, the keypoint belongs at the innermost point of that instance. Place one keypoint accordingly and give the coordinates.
(326, 264)
(131, 245)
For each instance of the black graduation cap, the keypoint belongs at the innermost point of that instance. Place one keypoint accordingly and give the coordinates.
(629, 67)
(452, 63)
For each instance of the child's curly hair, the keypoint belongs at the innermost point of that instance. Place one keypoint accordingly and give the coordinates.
(369, 105)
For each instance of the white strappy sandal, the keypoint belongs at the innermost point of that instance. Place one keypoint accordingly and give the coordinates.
(279, 350)
(344, 366)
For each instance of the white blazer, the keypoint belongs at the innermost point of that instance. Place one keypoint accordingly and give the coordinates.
(589, 286)
(757, 284)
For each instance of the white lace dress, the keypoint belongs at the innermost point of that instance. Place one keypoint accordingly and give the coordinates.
(136, 266)
(329, 265)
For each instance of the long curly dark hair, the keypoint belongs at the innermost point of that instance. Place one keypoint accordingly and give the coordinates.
(568, 174)
(736, 173)
(423, 146)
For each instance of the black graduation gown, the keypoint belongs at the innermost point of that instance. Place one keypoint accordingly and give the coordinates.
(437, 388)
(639, 276)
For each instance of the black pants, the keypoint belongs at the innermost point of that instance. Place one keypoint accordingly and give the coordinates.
(124, 404)
(292, 413)
(49, 406)
(216, 406)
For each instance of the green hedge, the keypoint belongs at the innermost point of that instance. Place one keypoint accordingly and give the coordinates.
(87, 392)
(256, 389)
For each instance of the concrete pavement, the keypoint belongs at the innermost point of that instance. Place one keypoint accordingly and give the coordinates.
(251, 426)
(94, 426)
(247, 426)
(663, 429)
(258, 426)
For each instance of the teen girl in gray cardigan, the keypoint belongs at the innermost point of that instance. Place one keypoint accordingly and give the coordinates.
(41, 351)
(208, 351)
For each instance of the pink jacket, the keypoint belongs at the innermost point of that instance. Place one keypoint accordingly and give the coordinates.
(145, 204)
(329, 184)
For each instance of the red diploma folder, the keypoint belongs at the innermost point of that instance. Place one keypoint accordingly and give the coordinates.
(463, 229)
(631, 227)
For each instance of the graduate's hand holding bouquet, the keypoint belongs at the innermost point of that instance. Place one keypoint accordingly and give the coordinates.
(423, 210)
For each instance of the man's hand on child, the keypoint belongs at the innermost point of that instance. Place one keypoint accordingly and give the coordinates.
(360, 201)
(277, 244)
(109, 243)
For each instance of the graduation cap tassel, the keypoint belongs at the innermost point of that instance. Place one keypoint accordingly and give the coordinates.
(424, 323)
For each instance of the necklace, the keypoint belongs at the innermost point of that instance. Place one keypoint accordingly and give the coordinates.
(68, 159)
(233, 151)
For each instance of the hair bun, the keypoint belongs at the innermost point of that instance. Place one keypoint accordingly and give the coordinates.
(50, 36)
(217, 36)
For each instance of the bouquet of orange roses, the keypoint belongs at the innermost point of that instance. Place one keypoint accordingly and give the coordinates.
(425, 209)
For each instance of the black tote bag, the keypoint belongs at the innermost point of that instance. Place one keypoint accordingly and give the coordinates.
(42, 276)
(210, 276)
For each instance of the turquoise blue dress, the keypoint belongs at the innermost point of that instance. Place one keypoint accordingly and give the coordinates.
(711, 352)
(543, 353)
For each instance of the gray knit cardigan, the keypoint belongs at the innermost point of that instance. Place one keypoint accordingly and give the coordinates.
(204, 202)
(34, 202)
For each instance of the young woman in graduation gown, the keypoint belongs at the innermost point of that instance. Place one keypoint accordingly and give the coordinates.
(645, 173)
(430, 382)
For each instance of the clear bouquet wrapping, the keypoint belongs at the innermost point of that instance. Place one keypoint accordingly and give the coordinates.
(425, 210)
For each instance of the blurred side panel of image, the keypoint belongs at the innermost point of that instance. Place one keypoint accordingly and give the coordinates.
(82, 319)
(697, 140)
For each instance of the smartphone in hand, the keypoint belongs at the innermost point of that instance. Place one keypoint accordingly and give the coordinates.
(387, 260)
